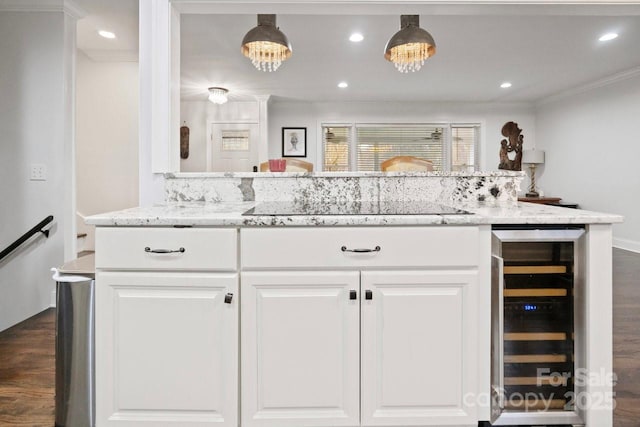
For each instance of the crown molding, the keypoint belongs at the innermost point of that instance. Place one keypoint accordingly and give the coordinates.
(606, 81)
(72, 9)
(103, 55)
(67, 6)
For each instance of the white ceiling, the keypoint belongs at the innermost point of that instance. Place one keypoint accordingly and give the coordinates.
(541, 54)
(117, 16)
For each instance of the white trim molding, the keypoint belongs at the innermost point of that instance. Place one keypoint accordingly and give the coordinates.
(69, 7)
(626, 244)
(104, 55)
(74, 10)
(606, 81)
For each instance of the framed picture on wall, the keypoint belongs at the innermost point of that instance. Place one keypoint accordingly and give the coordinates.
(294, 142)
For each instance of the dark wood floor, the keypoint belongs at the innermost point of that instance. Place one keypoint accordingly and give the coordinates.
(626, 337)
(27, 357)
(27, 372)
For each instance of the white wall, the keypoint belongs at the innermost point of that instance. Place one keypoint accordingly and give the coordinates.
(592, 144)
(106, 138)
(312, 115)
(197, 114)
(32, 124)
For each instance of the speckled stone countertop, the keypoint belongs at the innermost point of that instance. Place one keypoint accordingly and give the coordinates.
(230, 214)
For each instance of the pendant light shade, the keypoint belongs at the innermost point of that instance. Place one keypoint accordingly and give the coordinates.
(411, 46)
(218, 95)
(265, 45)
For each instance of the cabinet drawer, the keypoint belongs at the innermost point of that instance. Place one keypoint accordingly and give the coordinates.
(204, 249)
(322, 247)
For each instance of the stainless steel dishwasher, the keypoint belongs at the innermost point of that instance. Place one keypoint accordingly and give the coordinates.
(75, 361)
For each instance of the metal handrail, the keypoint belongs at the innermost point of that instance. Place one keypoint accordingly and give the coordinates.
(26, 236)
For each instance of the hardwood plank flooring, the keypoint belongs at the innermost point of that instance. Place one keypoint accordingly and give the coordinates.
(27, 361)
(626, 337)
(27, 372)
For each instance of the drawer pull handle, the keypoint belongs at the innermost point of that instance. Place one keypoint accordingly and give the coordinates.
(228, 298)
(353, 294)
(163, 251)
(368, 294)
(360, 250)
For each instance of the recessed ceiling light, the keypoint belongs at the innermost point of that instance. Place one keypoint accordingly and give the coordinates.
(107, 34)
(356, 37)
(343, 85)
(607, 37)
(505, 85)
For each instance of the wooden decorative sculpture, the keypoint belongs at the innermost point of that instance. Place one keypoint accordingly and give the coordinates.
(184, 141)
(512, 145)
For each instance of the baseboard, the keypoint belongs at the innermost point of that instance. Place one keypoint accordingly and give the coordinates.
(626, 244)
(52, 303)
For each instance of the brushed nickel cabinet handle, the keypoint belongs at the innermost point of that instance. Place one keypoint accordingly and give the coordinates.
(360, 250)
(164, 251)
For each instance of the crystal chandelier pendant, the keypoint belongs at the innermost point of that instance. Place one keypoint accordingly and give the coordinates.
(266, 56)
(265, 45)
(410, 47)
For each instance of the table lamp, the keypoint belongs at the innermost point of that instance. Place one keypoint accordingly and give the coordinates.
(533, 158)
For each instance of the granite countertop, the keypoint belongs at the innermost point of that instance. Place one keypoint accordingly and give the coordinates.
(230, 214)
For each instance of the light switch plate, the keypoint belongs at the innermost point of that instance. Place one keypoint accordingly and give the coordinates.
(38, 172)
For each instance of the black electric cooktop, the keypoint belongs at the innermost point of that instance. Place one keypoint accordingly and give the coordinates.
(352, 208)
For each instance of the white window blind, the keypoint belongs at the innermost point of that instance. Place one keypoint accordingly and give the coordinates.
(464, 143)
(363, 147)
(337, 144)
(377, 143)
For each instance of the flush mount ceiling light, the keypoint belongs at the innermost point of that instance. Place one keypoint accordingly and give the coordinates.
(107, 34)
(608, 36)
(265, 45)
(218, 95)
(411, 46)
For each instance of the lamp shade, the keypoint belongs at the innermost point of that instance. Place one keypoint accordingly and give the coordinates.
(533, 156)
(411, 46)
(265, 45)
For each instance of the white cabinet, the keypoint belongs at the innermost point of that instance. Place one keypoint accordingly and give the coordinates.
(408, 337)
(166, 342)
(418, 348)
(300, 349)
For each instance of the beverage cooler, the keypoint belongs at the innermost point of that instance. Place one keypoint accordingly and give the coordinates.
(536, 325)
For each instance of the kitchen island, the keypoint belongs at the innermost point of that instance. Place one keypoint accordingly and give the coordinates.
(206, 316)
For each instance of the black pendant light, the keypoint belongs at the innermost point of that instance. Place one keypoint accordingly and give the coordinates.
(266, 45)
(411, 46)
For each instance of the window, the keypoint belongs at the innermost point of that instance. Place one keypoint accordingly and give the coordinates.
(451, 147)
(235, 140)
(336, 141)
(464, 151)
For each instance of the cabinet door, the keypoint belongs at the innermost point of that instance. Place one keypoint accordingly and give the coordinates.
(418, 349)
(300, 349)
(166, 349)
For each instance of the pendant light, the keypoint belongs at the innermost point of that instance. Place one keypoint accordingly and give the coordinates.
(411, 46)
(265, 45)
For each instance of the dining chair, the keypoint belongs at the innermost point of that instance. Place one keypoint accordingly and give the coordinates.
(293, 165)
(406, 163)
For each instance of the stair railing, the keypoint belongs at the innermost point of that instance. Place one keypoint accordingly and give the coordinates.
(38, 228)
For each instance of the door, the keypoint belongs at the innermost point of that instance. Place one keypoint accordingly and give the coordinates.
(300, 349)
(166, 349)
(232, 147)
(419, 351)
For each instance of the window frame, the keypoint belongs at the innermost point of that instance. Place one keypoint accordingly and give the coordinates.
(447, 147)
